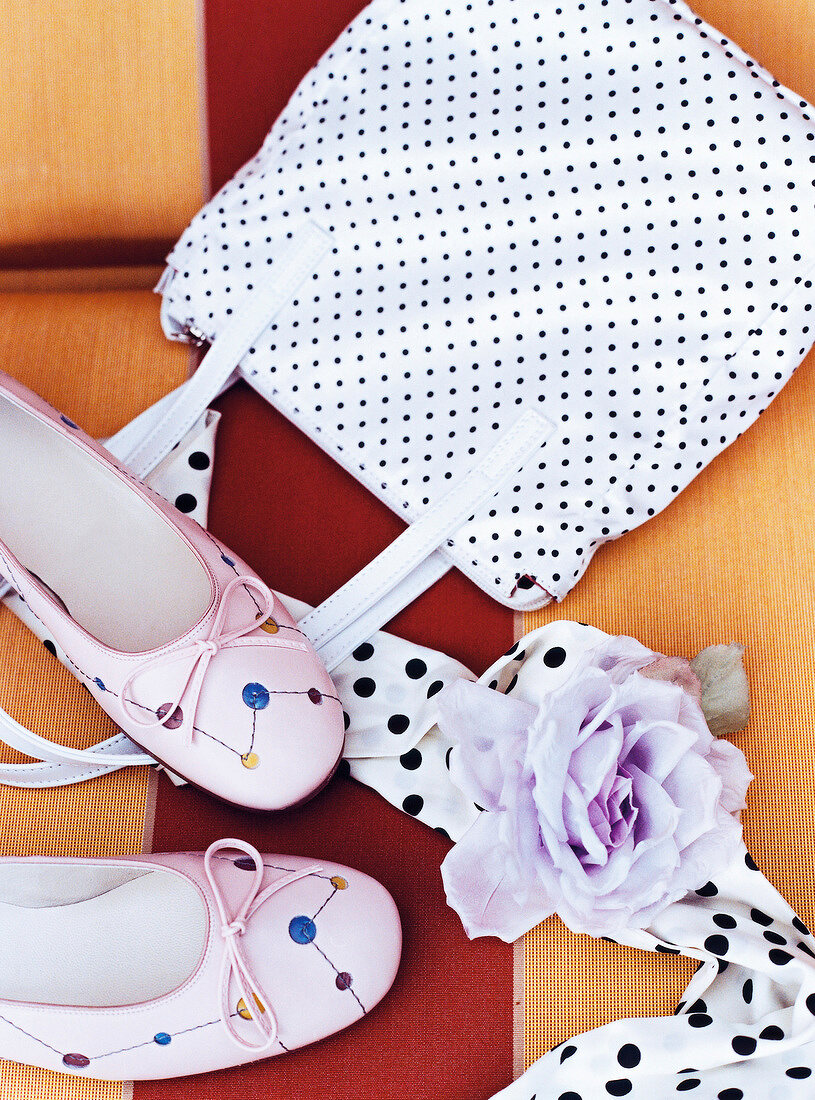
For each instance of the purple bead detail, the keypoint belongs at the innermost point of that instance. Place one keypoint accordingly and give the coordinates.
(246, 863)
(175, 719)
(344, 980)
(315, 696)
(76, 1061)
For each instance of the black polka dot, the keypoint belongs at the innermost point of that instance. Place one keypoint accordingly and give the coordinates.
(747, 990)
(708, 890)
(724, 920)
(730, 1094)
(413, 804)
(434, 688)
(799, 924)
(344, 769)
(364, 687)
(621, 1086)
(699, 1019)
(186, 502)
(567, 1096)
(567, 1052)
(363, 652)
(774, 937)
(554, 658)
(744, 1045)
(199, 460)
(398, 723)
(416, 669)
(759, 917)
(810, 1003)
(779, 956)
(49, 645)
(799, 1073)
(717, 945)
(698, 1006)
(629, 1056)
(772, 1032)
(750, 862)
(688, 1084)
(411, 760)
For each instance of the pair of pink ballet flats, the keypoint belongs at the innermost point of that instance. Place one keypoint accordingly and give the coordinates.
(160, 966)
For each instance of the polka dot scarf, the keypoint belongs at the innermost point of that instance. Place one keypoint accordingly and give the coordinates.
(744, 1029)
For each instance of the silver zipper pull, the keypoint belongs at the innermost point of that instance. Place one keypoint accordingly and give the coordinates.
(191, 334)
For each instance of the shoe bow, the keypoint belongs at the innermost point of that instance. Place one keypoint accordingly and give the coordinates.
(234, 966)
(199, 654)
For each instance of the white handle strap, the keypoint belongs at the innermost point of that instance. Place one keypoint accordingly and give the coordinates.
(390, 581)
(62, 765)
(142, 444)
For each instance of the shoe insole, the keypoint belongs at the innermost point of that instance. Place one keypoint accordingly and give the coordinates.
(130, 942)
(128, 576)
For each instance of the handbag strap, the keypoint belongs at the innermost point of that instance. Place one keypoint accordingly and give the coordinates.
(58, 765)
(143, 443)
(413, 561)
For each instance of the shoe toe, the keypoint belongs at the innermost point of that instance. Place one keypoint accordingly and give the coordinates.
(327, 952)
(270, 725)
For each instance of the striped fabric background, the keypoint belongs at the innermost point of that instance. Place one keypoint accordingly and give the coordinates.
(117, 121)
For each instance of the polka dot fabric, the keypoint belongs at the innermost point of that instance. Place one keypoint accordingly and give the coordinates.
(185, 476)
(745, 1028)
(603, 211)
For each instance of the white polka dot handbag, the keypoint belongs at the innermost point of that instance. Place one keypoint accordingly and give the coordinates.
(522, 271)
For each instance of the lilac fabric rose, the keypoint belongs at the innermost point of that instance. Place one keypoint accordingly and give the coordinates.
(606, 798)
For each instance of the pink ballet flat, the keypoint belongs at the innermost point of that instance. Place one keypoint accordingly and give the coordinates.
(161, 966)
(189, 652)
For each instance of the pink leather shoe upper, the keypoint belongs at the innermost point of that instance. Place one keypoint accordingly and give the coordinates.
(240, 704)
(293, 950)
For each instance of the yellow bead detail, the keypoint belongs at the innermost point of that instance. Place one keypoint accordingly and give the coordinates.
(244, 1012)
(250, 760)
(339, 883)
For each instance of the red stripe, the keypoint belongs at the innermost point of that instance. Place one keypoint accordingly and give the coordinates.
(445, 1030)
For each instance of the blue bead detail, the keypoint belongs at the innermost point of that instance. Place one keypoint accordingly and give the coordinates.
(70, 423)
(99, 683)
(228, 561)
(163, 1039)
(302, 929)
(256, 696)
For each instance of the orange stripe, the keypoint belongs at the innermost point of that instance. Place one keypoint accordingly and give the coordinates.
(100, 114)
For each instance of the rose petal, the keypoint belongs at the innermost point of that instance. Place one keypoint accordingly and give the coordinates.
(731, 767)
(489, 901)
(466, 710)
(657, 747)
(697, 788)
